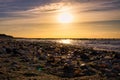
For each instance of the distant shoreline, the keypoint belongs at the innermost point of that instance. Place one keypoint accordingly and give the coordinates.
(70, 38)
(12, 37)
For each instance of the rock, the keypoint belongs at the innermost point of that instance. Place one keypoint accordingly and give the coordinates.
(77, 72)
(30, 74)
(50, 59)
(4, 36)
(15, 53)
(68, 70)
(116, 68)
(103, 65)
(84, 57)
(8, 50)
(89, 72)
(83, 66)
(108, 73)
(117, 56)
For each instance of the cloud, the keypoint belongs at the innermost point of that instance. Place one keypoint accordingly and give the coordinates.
(48, 8)
(25, 8)
(19, 8)
(105, 22)
(105, 6)
(18, 5)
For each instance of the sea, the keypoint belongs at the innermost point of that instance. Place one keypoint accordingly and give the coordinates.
(97, 44)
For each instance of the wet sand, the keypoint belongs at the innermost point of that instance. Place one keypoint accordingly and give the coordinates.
(23, 60)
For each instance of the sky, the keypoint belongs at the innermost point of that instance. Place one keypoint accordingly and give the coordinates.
(60, 18)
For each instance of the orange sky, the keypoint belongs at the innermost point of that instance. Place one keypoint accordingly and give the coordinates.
(61, 19)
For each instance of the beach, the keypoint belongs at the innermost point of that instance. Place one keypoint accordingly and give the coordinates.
(53, 60)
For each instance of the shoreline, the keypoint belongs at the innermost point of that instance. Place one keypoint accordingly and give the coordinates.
(55, 61)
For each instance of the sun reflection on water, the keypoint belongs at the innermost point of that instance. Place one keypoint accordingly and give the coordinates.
(66, 41)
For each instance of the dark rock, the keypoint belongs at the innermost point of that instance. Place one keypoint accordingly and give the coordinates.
(68, 70)
(77, 72)
(83, 66)
(8, 50)
(89, 72)
(108, 73)
(84, 57)
(50, 59)
(4, 36)
(117, 55)
(103, 65)
(30, 74)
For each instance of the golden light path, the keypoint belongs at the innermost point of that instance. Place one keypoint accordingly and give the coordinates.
(66, 41)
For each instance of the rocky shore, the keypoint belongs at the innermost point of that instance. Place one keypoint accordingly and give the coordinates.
(24, 60)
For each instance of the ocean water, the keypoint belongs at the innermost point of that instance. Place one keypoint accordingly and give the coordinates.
(109, 45)
(97, 44)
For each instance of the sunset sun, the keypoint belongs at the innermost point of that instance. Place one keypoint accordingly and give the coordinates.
(65, 18)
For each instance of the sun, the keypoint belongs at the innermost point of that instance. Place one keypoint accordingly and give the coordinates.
(65, 18)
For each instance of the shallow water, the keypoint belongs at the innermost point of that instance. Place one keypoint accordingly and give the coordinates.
(109, 45)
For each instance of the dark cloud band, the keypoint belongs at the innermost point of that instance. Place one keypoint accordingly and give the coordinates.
(8, 6)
